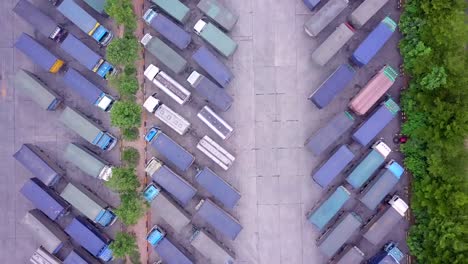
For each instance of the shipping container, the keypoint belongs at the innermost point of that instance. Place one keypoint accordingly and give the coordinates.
(165, 54)
(365, 11)
(218, 218)
(328, 209)
(207, 89)
(324, 16)
(331, 168)
(38, 53)
(218, 187)
(213, 66)
(333, 44)
(31, 86)
(220, 14)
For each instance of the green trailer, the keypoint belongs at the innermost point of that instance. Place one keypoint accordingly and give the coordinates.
(218, 13)
(174, 8)
(36, 90)
(215, 37)
(165, 54)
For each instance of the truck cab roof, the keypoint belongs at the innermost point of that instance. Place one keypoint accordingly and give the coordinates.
(155, 235)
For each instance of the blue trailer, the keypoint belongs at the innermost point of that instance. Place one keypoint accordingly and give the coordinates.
(213, 66)
(210, 91)
(324, 213)
(218, 218)
(311, 4)
(38, 53)
(218, 187)
(333, 166)
(168, 29)
(79, 256)
(168, 252)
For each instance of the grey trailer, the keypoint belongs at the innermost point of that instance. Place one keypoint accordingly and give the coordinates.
(218, 218)
(41, 256)
(36, 90)
(351, 256)
(218, 13)
(333, 166)
(333, 44)
(165, 54)
(218, 187)
(88, 162)
(210, 249)
(210, 91)
(365, 11)
(168, 29)
(324, 16)
(213, 66)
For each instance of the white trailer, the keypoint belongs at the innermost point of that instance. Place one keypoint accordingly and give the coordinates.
(215, 122)
(215, 152)
(166, 115)
(167, 84)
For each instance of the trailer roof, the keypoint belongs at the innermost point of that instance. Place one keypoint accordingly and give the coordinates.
(178, 187)
(97, 5)
(86, 235)
(81, 201)
(333, 166)
(213, 93)
(170, 30)
(169, 253)
(75, 258)
(36, 52)
(219, 219)
(172, 151)
(329, 208)
(80, 124)
(170, 211)
(340, 233)
(364, 170)
(84, 159)
(353, 256)
(219, 13)
(80, 52)
(224, 44)
(209, 248)
(174, 8)
(31, 86)
(166, 55)
(35, 17)
(379, 189)
(382, 226)
(213, 66)
(218, 187)
(80, 85)
(77, 15)
(47, 233)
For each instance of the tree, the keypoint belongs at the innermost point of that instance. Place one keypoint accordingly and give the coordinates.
(131, 208)
(123, 51)
(122, 12)
(124, 244)
(130, 134)
(130, 156)
(126, 82)
(126, 114)
(123, 180)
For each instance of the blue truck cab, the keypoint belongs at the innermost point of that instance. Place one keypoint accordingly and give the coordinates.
(150, 192)
(155, 235)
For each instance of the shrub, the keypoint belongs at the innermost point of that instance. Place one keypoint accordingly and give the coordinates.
(125, 114)
(123, 180)
(130, 157)
(123, 51)
(131, 208)
(124, 244)
(130, 134)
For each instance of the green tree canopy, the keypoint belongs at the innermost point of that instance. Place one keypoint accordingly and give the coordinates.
(124, 244)
(126, 114)
(123, 51)
(130, 156)
(131, 208)
(123, 180)
(122, 12)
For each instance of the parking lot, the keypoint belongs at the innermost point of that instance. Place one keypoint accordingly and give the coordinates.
(272, 118)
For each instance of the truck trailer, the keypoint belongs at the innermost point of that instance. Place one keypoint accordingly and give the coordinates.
(321, 215)
(215, 152)
(221, 15)
(38, 53)
(207, 89)
(311, 4)
(87, 129)
(218, 187)
(88, 162)
(376, 122)
(39, 164)
(215, 37)
(167, 84)
(170, 181)
(365, 11)
(166, 115)
(390, 254)
(374, 89)
(213, 66)
(374, 42)
(333, 44)
(79, 256)
(209, 248)
(174, 8)
(324, 16)
(41, 256)
(31, 86)
(97, 5)
(329, 170)
(168, 252)
(168, 29)
(218, 218)
(332, 86)
(353, 255)
(165, 54)
(215, 122)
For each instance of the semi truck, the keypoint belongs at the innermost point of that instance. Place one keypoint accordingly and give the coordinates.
(165, 54)
(213, 66)
(31, 86)
(218, 218)
(374, 42)
(215, 37)
(87, 129)
(215, 122)
(333, 44)
(97, 5)
(90, 238)
(376, 122)
(331, 168)
(168, 252)
(39, 164)
(49, 234)
(321, 215)
(168, 29)
(336, 237)
(382, 186)
(79, 256)
(38, 53)
(374, 89)
(323, 138)
(87, 90)
(324, 16)
(166, 115)
(353, 255)
(174, 8)
(169, 149)
(379, 227)
(84, 21)
(44, 199)
(170, 181)
(390, 254)
(210, 91)
(88, 162)
(41, 256)
(215, 152)
(311, 4)
(332, 86)
(369, 165)
(166, 208)
(221, 15)
(89, 204)
(218, 187)
(167, 84)
(209, 248)
(365, 11)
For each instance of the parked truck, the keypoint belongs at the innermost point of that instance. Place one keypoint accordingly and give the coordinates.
(365, 11)
(379, 227)
(390, 254)
(218, 187)
(166, 208)
(353, 255)
(323, 138)
(376, 122)
(97, 5)
(84, 21)
(168, 252)
(336, 237)
(168, 29)
(215, 152)
(87, 129)
(215, 37)
(170, 181)
(165, 54)
(215, 122)
(166, 115)
(47, 233)
(311, 4)
(88, 204)
(79, 256)
(44, 199)
(218, 218)
(169, 149)
(213, 66)
(209, 248)
(41, 256)
(90, 238)
(333, 44)
(38, 53)
(31, 86)
(39, 164)
(167, 84)
(382, 186)
(332, 86)
(374, 89)
(321, 215)
(210, 91)
(324, 16)
(331, 168)
(374, 42)
(174, 8)
(87, 90)
(88, 162)
(369, 165)
(220, 14)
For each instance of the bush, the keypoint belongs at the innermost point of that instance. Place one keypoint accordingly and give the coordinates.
(125, 114)
(122, 12)
(123, 51)
(131, 208)
(124, 244)
(130, 157)
(126, 83)
(130, 134)
(123, 180)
